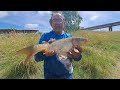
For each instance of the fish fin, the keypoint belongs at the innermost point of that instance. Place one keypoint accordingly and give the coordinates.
(28, 58)
(25, 50)
(34, 49)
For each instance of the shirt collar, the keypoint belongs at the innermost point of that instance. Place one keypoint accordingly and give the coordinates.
(63, 32)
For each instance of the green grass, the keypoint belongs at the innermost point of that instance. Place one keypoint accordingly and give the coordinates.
(100, 56)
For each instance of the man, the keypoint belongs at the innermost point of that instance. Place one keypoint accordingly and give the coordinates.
(53, 67)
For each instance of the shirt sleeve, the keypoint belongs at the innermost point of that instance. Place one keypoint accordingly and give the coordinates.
(40, 56)
(78, 59)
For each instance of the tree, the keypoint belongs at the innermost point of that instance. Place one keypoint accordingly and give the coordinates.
(72, 20)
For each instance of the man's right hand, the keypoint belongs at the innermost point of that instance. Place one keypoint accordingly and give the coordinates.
(50, 53)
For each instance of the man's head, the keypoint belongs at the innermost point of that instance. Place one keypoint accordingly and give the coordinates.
(57, 22)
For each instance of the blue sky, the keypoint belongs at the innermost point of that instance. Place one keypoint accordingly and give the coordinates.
(40, 19)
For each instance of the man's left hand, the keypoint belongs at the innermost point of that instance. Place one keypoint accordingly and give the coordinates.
(75, 52)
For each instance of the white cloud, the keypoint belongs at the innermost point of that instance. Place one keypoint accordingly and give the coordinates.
(21, 12)
(31, 26)
(91, 15)
(93, 18)
(3, 14)
(44, 12)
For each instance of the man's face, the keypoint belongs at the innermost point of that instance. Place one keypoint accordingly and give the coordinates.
(57, 23)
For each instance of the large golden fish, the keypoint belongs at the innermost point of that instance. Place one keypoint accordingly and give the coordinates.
(61, 47)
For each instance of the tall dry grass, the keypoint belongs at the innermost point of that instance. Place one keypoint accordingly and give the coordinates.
(10, 63)
(100, 56)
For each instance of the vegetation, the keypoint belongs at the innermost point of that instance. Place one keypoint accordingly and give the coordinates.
(99, 61)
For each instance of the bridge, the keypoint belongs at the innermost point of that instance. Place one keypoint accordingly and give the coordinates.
(109, 25)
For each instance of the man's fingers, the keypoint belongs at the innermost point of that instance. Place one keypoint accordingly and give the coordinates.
(75, 55)
(50, 53)
(78, 49)
(44, 42)
(70, 54)
(75, 52)
(52, 40)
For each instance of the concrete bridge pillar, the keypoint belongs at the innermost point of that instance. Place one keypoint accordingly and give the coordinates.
(110, 28)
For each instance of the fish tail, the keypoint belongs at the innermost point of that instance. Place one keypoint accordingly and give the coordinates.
(28, 58)
(24, 51)
(32, 50)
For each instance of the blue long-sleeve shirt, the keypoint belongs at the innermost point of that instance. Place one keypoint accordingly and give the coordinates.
(53, 67)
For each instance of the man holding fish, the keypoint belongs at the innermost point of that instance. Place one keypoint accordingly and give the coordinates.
(54, 66)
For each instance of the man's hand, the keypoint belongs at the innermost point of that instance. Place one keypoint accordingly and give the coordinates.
(51, 41)
(50, 53)
(75, 52)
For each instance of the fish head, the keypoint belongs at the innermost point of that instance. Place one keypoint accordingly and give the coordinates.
(77, 41)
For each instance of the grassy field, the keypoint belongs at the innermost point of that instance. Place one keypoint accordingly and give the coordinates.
(100, 57)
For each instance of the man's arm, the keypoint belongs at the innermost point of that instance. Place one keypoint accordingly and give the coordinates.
(40, 56)
(78, 59)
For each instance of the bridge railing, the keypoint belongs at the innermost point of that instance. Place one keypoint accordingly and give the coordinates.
(109, 25)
